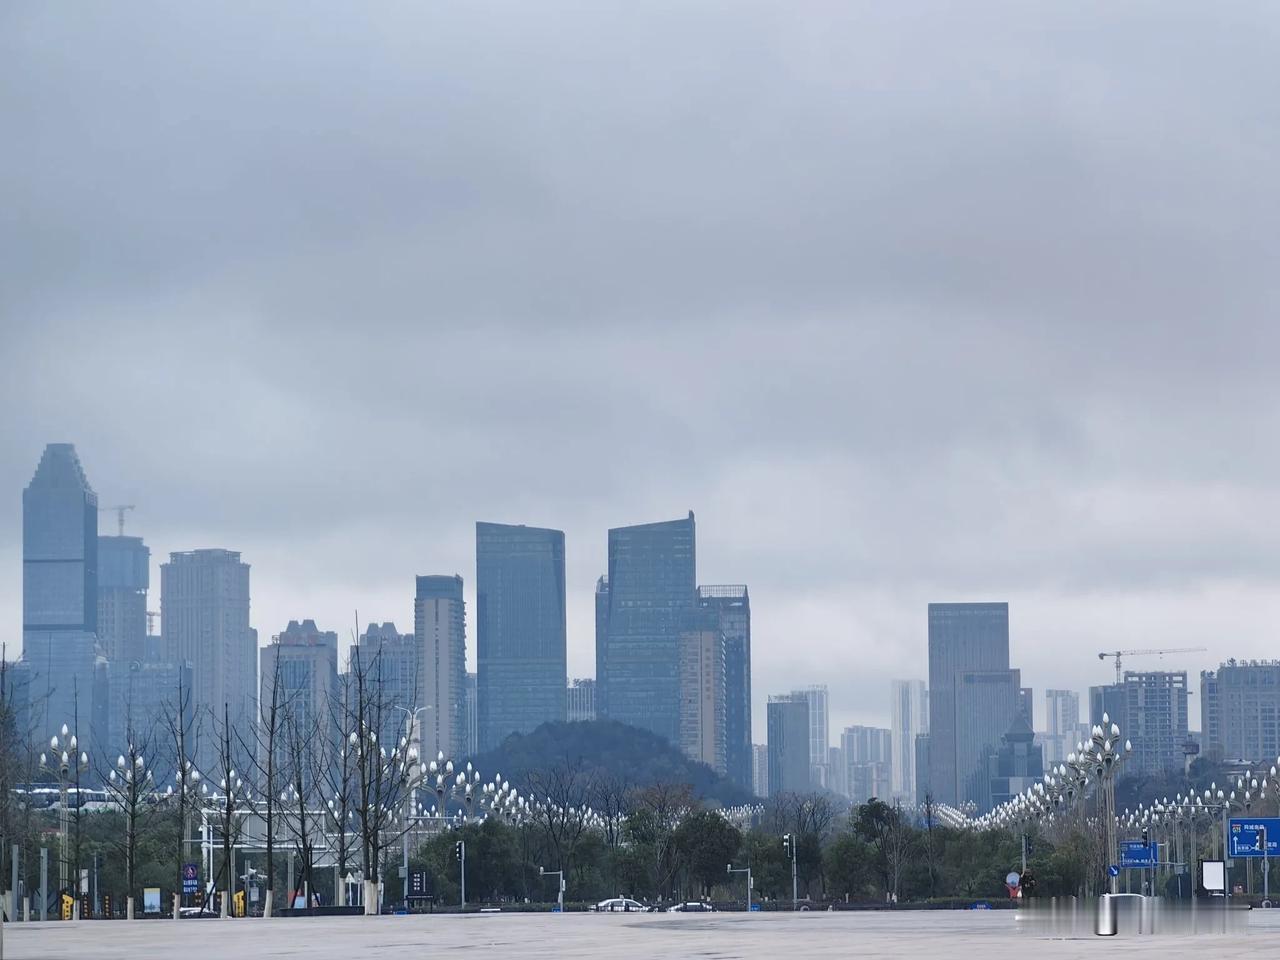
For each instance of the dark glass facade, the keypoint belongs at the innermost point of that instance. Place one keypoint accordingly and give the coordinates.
(520, 630)
(788, 722)
(123, 577)
(652, 593)
(732, 607)
(59, 546)
(964, 638)
(60, 594)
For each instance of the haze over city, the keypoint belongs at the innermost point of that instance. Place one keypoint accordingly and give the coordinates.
(926, 304)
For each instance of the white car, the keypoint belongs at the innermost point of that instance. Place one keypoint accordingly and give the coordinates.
(619, 905)
(692, 906)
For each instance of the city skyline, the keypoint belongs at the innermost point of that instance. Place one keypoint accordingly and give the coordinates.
(867, 713)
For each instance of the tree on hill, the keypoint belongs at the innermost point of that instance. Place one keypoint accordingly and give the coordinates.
(600, 749)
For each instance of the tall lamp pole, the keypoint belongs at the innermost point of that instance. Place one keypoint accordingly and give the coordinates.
(66, 761)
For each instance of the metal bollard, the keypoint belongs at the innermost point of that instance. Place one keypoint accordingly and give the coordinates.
(1105, 922)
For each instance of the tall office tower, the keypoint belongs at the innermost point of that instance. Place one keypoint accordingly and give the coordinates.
(760, 769)
(204, 613)
(819, 730)
(963, 638)
(143, 700)
(520, 630)
(1240, 711)
(471, 716)
(867, 781)
(909, 717)
(986, 703)
(1017, 765)
(1062, 725)
(306, 659)
(733, 607)
(787, 718)
(602, 642)
(124, 573)
(391, 662)
(1110, 700)
(652, 590)
(867, 753)
(867, 744)
(439, 622)
(580, 703)
(702, 696)
(1155, 720)
(1026, 705)
(837, 771)
(924, 787)
(60, 595)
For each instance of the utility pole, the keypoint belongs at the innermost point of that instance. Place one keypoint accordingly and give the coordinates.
(460, 848)
(789, 846)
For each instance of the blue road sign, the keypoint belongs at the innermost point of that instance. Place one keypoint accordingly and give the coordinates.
(1113, 871)
(1136, 853)
(190, 877)
(1245, 836)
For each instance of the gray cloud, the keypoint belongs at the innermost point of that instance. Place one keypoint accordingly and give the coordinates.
(908, 302)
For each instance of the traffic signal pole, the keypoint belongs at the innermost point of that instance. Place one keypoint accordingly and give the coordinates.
(461, 850)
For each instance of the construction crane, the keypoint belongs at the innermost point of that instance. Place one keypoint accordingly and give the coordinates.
(1119, 654)
(120, 511)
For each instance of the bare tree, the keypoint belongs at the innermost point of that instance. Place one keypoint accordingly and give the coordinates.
(266, 761)
(229, 801)
(180, 721)
(660, 808)
(559, 802)
(131, 787)
(385, 774)
(299, 801)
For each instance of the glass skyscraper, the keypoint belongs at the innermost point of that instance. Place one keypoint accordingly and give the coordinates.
(60, 593)
(520, 630)
(732, 606)
(787, 717)
(651, 597)
(123, 577)
(964, 639)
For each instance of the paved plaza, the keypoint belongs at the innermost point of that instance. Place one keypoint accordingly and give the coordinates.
(932, 934)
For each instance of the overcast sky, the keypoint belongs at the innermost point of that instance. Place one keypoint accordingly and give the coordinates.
(907, 301)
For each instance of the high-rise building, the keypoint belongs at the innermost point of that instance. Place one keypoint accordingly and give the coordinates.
(760, 769)
(1017, 765)
(1240, 711)
(1109, 700)
(471, 715)
(964, 638)
(986, 703)
(909, 717)
(924, 788)
(1155, 720)
(837, 771)
(124, 574)
(304, 659)
(204, 607)
(733, 607)
(439, 621)
(868, 780)
(580, 700)
(1062, 724)
(787, 718)
(651, 591)
(520, 630)
(815, 697)
(60, 596)
(702, 697)
(144, 700)
(391, 662)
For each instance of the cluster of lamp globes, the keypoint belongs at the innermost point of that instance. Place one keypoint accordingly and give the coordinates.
(65, 756)
(1093, 761)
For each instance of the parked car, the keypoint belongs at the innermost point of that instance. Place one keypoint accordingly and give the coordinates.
(692, 906)
(619, 905)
